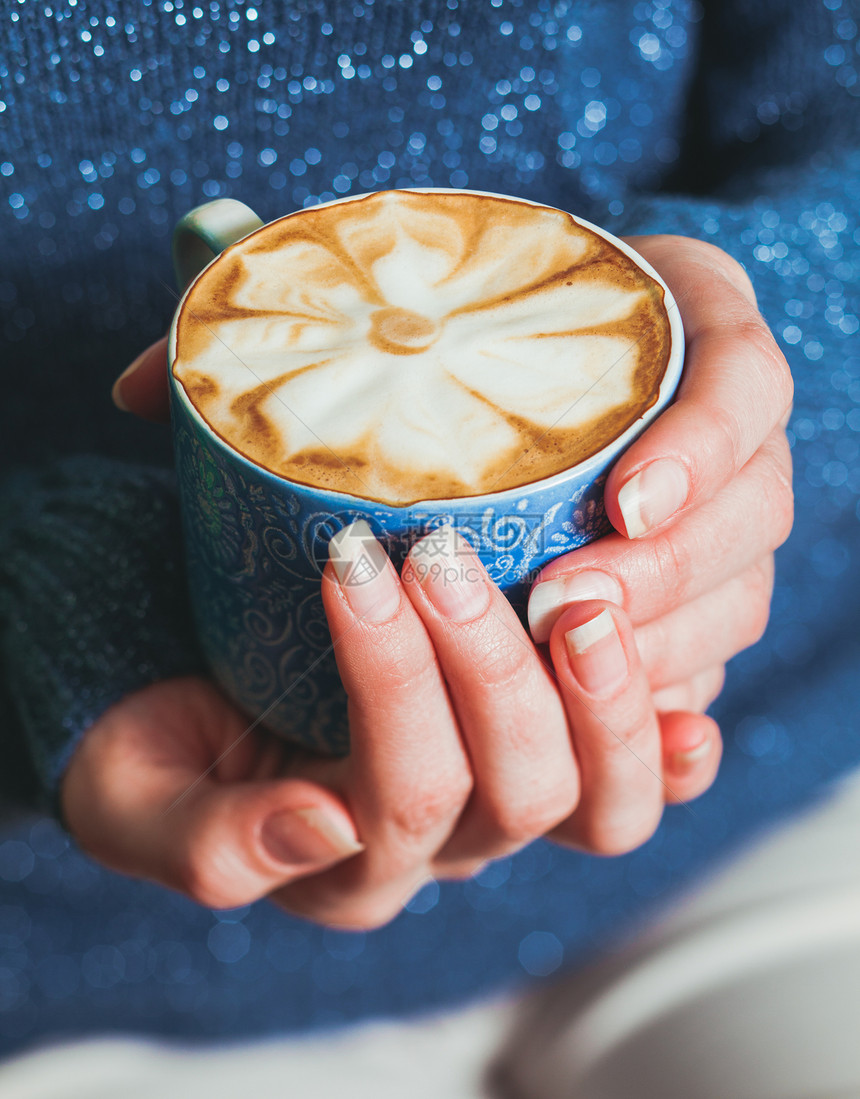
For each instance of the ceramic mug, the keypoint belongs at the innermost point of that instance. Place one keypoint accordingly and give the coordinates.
(256, 543)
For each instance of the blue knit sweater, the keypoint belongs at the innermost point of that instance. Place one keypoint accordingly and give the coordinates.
(737, 121)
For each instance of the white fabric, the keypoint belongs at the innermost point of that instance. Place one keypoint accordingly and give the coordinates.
(447, 1057)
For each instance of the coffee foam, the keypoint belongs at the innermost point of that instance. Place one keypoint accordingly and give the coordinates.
(408, 346)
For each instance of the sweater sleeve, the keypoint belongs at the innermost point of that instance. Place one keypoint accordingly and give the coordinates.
(770, 168)
(93, 605)
(772, 176)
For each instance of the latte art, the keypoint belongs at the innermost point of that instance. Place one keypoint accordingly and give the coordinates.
(408, 345)
(400, 331)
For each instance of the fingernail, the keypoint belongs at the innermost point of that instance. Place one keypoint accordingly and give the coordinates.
(685, 761)
(306, 837)
(116, 392)
(551, 597)
(366, 576)
(597, 655)
(450, 574)
(652, 496)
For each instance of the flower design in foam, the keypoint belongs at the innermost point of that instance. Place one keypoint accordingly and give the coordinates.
(407, 346)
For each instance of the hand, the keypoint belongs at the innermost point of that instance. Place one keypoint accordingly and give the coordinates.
(170, 786)
(701, 500)
(461, 752)
(446, 813)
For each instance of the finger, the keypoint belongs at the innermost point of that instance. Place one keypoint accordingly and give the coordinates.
(142, 387)
(506, 700)
(615, 730)
(408, 775)
(735, 389)
(707, 631)
(144, 796)
(694, 695)
(703, 550)
(692, 749)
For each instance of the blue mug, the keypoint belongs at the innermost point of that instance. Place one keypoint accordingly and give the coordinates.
(257, 543)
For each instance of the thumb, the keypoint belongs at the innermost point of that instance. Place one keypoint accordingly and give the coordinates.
(141, 797)
(142, 387)
(230, 845)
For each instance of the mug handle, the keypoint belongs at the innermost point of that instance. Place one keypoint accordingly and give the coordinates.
(206, 231)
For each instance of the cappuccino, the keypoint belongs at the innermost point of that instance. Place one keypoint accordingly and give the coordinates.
(408, 346)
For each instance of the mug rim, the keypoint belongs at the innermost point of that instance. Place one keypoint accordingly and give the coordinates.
(583, 471)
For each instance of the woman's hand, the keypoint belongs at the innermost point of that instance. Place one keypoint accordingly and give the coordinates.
(467, 740)
(701, 500)
(467, 743)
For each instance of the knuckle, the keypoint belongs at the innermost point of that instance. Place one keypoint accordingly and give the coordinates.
(678, 696)
(712, 259)
(726, 265)
(759, 588)
(750, 332)
(748, 346)
(728, 436)
(612, 839)
(400, 671)
(428, 808)
(672, 563)
(759, 624)
(780, 378)
(519, 822)
(717, 682)
(705, 688)
(780, 499)
(503, 664)
(785, 517)
(630, 732)
(775, 372)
